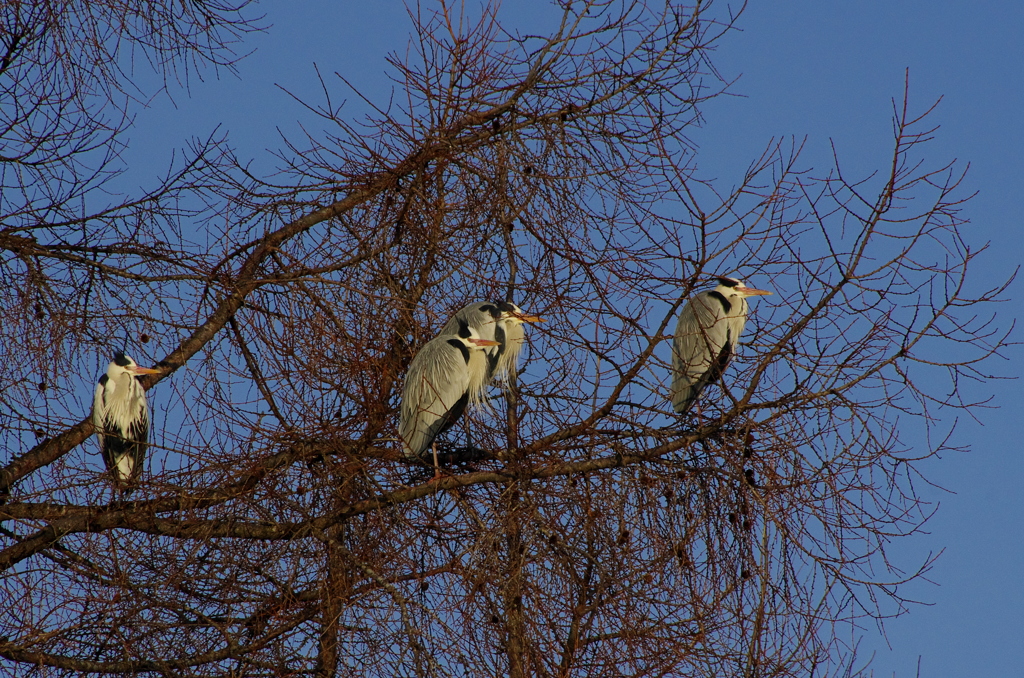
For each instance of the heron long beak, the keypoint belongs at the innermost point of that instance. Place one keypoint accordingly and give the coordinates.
(146, 370)
(485, 342)
(530, 318)
(751, 292)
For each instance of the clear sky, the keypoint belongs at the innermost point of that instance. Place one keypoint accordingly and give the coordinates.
(827, 70)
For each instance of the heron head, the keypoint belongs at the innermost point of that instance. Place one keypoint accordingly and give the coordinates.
(123, 363)
(510, 311)
(736, 287)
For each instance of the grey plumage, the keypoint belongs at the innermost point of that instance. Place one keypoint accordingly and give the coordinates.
(706, 337)
(500, 321)
(448, 373)
(120, 415)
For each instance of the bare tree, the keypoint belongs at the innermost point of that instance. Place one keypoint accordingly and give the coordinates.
(278, 529)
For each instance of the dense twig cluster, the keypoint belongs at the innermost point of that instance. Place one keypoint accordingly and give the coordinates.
(278, 531)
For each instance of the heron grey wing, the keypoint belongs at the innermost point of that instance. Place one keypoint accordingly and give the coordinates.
(687, 355)
(99, 417)
(437, 379)
(700, 335)
(699, 338)
(448, 374)
(99, 404)
(409, 411)
(101, 421)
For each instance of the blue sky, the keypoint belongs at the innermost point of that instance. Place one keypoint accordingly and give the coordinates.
(825, 70)
(829, 70)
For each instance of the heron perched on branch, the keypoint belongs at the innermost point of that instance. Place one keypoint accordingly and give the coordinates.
(499, 321)
(121, 417)
(449, 373)
(708, 330)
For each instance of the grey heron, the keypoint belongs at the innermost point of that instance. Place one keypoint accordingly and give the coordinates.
(448, 373)
(500, 321)
(121, 417)
(707, 332)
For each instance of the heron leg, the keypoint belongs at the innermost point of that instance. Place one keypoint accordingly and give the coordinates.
(437, 467)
